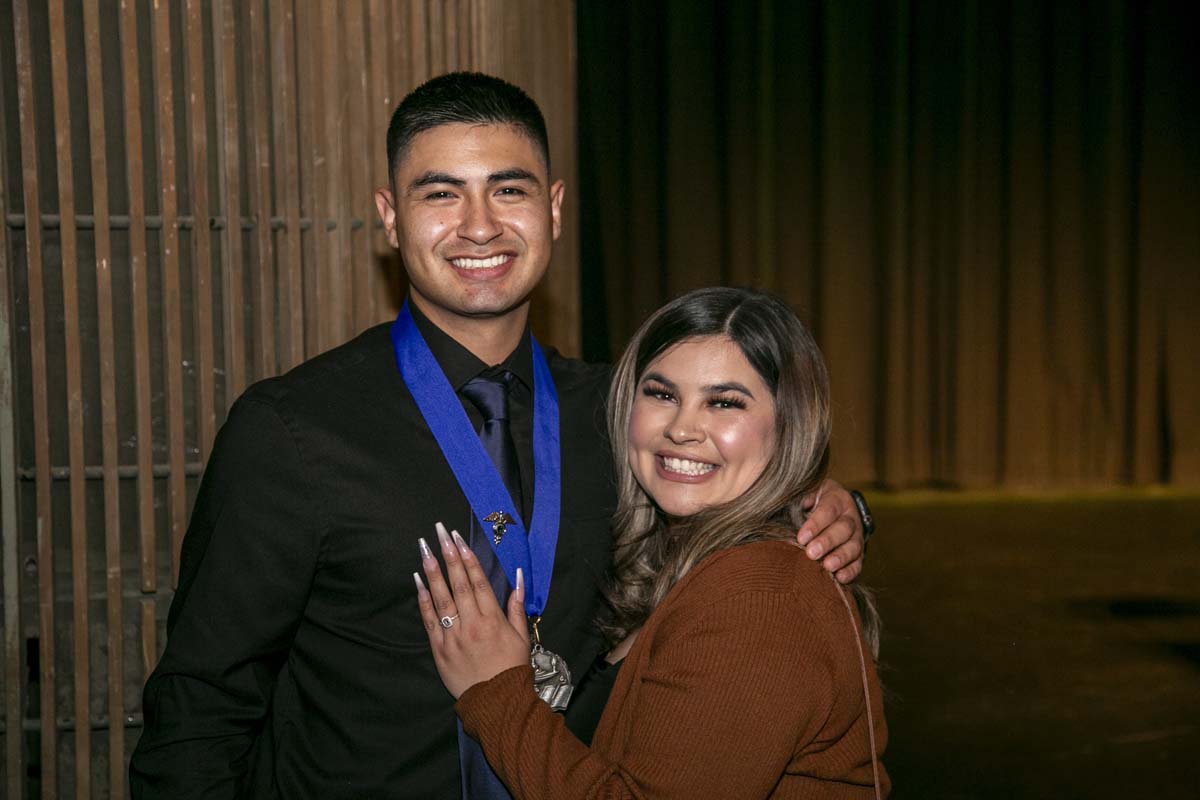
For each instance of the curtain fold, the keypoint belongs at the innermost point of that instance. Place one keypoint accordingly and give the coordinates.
(986, 212)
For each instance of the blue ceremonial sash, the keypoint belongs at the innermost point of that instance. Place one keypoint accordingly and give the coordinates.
(530, 548)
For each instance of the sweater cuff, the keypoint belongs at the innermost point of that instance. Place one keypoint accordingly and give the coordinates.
(492, 699)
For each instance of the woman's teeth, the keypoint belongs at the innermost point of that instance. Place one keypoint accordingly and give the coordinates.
(687, 467)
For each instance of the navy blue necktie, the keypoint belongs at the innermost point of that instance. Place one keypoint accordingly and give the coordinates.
(489, 393)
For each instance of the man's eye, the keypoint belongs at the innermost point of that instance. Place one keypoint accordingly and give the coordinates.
(440, 195)
(511, 191)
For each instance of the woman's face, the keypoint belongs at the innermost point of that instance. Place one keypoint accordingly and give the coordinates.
(702, 428)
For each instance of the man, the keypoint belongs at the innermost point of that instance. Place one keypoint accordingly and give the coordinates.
(296, 664)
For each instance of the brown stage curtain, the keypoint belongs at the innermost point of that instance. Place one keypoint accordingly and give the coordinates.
(988, 213)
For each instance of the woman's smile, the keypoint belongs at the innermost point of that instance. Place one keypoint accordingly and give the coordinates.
(684, 469)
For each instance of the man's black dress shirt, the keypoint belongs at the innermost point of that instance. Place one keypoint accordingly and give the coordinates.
(296, 664)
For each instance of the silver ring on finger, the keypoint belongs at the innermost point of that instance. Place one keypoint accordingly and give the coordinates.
(448, 622)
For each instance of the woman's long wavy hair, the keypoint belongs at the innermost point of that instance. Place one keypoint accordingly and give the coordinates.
(653, 551)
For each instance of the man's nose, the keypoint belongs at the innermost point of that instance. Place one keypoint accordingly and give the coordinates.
(479, 223)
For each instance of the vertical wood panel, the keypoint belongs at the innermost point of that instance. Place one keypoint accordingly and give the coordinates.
(381, 100)
(262, 274)
(74, 385)
(435, 35)
(314, 171)
(229, 172)
(106, 345)
(337, 239)
(420, 63)
(287, 181)
(14, 662)
(139, 288)
(172, 309)
(40, 401)
(150, 636)
(202, 296)
(308, 93)
(358, 167)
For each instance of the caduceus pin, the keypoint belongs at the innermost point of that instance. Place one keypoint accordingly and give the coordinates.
(499, 522)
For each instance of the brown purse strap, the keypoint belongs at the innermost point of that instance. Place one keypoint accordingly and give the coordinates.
(862, 662)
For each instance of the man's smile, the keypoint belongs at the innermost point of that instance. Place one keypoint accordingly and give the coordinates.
(482, 263)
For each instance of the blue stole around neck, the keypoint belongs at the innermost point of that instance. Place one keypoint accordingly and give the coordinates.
(533, 549)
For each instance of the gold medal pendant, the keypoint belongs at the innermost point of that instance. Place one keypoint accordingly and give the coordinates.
(499, 522)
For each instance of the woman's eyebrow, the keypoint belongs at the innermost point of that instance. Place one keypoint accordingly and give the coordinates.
(657, 377)
(731, 386)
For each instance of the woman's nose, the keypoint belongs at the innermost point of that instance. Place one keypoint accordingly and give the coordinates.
(685, 427)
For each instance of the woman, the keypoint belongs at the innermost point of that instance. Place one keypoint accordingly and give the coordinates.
(743, 671)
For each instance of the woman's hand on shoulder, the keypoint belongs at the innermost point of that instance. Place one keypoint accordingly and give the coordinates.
(472, 638)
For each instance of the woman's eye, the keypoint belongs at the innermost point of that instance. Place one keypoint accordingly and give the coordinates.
(657, 393)
(727, 402)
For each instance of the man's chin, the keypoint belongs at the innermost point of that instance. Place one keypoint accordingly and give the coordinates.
(476, 306)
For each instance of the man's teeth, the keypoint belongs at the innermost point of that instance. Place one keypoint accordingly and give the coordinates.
(479, 263)
(686, 467)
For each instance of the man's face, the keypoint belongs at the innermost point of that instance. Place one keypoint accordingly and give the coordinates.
(474, 216)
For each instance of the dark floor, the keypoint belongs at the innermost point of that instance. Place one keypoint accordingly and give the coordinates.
(1040, 648)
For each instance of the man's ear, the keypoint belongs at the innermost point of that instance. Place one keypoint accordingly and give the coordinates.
(557, 190)
(385, 203)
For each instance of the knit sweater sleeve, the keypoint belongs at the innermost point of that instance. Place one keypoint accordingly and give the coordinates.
(728, 685)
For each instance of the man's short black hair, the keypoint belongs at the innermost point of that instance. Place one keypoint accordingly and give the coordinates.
(469, 97)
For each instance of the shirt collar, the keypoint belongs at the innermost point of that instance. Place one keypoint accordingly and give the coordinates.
(461, 365)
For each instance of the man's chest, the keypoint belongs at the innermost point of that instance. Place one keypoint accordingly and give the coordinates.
(385, 483)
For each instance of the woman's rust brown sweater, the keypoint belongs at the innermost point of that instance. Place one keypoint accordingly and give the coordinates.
(744, 682)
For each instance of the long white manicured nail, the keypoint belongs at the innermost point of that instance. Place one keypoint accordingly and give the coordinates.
(443, 535)
(462, 546)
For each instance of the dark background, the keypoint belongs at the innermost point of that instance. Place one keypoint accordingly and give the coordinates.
(987, 212)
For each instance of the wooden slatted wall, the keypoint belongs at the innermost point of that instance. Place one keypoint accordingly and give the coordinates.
(185, 189)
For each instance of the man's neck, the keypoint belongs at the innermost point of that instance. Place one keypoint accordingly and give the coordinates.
(491, 339)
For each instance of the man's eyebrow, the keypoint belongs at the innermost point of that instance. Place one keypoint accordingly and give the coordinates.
(430, 178)
(513, 174)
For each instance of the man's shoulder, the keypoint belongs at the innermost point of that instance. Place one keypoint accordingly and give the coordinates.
(577, 374)
(346, 370)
